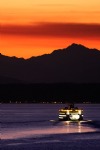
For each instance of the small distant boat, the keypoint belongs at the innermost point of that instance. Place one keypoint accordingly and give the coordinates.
(71, 113)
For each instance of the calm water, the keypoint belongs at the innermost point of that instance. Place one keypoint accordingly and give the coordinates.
(41, 120)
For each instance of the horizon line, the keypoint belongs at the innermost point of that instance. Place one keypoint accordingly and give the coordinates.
(51, 52)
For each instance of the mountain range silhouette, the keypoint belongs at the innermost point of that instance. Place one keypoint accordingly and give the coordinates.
(74, 64)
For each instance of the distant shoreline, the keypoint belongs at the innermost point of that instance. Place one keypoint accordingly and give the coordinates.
(50, 93)
(54, 103)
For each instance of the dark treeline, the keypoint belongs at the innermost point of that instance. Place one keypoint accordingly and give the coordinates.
(59, 92)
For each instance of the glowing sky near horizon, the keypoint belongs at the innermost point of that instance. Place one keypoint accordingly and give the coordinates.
(34, 27)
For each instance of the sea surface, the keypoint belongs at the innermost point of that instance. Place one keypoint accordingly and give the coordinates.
(36, 127)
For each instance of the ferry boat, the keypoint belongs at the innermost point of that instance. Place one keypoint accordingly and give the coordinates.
(71, 113)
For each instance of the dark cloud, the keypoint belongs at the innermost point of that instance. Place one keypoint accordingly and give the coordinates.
(71, 30)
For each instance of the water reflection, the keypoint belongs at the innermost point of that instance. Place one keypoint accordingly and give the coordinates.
(64, 127)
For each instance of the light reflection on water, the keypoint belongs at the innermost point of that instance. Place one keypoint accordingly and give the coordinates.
(38, 132)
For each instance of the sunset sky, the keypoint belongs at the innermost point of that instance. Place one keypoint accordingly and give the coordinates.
(34, 27)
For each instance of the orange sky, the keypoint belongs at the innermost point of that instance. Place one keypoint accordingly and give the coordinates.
(34, 27)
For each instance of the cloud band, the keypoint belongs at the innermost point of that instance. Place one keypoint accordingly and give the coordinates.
(58, 30)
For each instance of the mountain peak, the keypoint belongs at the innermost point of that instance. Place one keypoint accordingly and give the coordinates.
(78, 46)
(71, 49)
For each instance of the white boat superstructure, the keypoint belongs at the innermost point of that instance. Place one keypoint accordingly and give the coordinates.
(71, 113)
